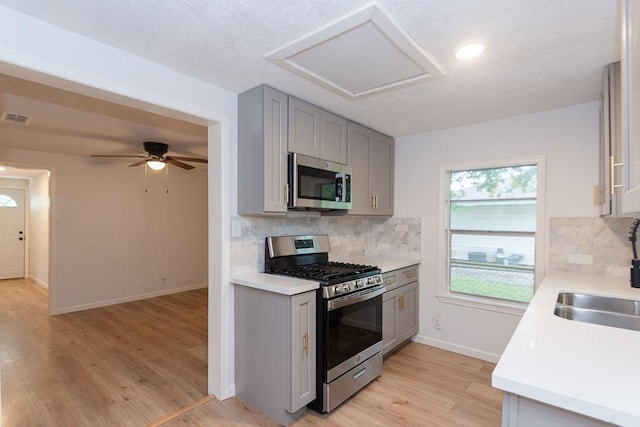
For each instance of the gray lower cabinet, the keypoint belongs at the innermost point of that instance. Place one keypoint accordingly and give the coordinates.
(262, 152)
(275, 351)
(399, 307)
(370, 155)
(518, 411)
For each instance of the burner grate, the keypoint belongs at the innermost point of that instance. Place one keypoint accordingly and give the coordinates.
(325, 272)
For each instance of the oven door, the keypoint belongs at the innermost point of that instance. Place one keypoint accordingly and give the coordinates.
(352, 330)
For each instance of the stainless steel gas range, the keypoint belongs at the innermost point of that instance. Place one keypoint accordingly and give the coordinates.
(349, 321)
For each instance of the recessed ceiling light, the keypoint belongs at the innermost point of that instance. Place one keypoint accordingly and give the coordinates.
(470, 50)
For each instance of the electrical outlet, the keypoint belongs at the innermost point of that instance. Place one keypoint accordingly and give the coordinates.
(437, 321)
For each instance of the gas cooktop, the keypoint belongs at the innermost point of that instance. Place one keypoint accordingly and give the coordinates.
(307, 257)
(328, 273)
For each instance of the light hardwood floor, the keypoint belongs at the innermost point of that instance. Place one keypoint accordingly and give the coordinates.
(141, 363)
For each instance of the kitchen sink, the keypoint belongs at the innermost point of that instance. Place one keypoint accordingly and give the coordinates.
(599, 310)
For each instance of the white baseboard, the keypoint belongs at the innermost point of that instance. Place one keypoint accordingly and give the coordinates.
(38, 282)
(89, 306)
(457, 348)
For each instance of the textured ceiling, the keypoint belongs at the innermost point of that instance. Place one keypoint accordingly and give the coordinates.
(540, 54)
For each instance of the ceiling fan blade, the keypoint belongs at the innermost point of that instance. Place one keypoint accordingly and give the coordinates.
(188, 159)
(141, 162)
(174, 162)
(116, 155)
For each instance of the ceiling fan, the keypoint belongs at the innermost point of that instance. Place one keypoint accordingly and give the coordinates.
(156, 157)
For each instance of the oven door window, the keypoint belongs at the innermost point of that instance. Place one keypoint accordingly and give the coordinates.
(352, 329)
(318, 184)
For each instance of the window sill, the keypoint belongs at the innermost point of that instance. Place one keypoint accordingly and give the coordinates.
(489, 304)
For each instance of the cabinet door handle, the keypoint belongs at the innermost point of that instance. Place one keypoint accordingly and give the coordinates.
(612, 179)
(401, 302)
(305, 340)
(286, 194)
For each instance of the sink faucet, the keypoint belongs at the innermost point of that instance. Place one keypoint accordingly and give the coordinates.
(635, 262)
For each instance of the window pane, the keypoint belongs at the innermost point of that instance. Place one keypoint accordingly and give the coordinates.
(495, 183)
(7, 202)
(512, 215)
(490, 282)
(492, 226)
(493, 249)
(492, 265)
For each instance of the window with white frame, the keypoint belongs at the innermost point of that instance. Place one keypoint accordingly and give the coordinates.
(491, 233)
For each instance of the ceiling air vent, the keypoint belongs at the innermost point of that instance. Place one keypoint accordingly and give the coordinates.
(15, 118)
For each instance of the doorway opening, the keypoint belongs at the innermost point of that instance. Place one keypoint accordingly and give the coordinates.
(24, 213)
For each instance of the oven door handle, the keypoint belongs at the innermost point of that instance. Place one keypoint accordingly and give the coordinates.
(355, 298)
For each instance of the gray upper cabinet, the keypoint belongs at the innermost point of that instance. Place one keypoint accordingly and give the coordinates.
(370, 155)
(316, 133)
(271, 124)
(333, 137)
(608, 193)
(630, 71)
(262, 152)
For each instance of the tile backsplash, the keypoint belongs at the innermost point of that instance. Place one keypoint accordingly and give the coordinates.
(349, 237)
(589, 245)
(597, 245)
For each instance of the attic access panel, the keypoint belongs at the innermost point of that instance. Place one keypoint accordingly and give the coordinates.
(360, 55)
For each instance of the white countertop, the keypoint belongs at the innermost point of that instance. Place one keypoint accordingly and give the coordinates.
(589, 369)
(273, 283)
(292, 286)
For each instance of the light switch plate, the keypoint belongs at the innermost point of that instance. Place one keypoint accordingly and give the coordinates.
(236, 228)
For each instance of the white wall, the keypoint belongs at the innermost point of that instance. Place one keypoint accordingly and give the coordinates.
(115, 242)
(567, 137)
(39, 229)
(38, 51)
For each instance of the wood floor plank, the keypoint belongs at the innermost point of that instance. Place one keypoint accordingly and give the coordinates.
(136, 364)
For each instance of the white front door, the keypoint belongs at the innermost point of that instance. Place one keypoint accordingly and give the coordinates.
(12, 233)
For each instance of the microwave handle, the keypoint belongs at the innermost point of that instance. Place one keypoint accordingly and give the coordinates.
(343, 180)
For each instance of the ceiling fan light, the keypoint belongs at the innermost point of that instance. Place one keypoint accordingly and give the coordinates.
(156, 165)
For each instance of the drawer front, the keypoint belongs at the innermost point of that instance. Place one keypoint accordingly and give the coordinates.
(396, 278)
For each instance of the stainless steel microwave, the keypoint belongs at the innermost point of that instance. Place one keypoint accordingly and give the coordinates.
(316, 184)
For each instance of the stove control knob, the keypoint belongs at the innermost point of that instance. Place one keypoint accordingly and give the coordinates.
(359, 283)
(337, 289)
(346, 287)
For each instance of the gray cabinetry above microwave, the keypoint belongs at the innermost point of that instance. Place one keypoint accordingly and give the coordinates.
(370, 157)
(316, 133)
(271, 124)
(262, 152)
